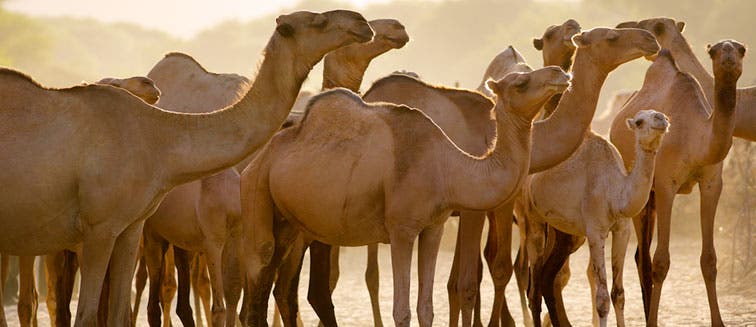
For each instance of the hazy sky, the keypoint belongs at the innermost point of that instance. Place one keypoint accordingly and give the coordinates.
(179, 17)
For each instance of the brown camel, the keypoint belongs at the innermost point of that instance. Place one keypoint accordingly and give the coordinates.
(145, 89)
(382, 142)
(669, 33)
(681, 163)
(587, 196)
(344, 67)
(471, 129)
(104, 142)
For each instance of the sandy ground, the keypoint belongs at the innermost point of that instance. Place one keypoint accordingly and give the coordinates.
(683, 299)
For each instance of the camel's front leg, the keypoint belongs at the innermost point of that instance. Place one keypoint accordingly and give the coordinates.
(596, 243)
(535, 249)
(521, 271)
(232, 279)
(427, 253)
(182, 259)
(27, 290)
(372, 279)
(501, 265)
(470, 232)
(318, 292)
(122, 266)
(139, 284)
(401, 262)
(660, 266)
(97, 247)
(620, 238)
(4, 264)
(643, 224)
(710, 189)
(214, 262)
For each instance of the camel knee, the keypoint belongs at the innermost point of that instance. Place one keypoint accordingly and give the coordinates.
(709, 265)
(660, 268)
(467, 292)
(602, 302)
(501, 272)
(618, 297)
(425, 314)
(402, 317)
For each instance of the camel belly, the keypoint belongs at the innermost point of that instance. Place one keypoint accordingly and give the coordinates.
(35, 232)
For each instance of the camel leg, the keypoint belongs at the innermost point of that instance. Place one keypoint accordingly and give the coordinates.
(232, 280)
(427, 253)
(592, 283)
(660, 265)
(596, 243)
(317, 294)
(470, 232)
(451, 285)
(193, 276)
(334, 275)
(27, 290)
(154, 256)
(287, 282)
(556, 259)
(140, 283)
(122, 266)
(4, 265)
(521, 276)
(372, 279)
(214, 263)
(711, 189)
(401, 262)
(183, 307)
(61, 275)
(620, 238)
(97, 247)
(563, 277)
(201, 286)
(643, 224)
(535, 248)
(501, 265)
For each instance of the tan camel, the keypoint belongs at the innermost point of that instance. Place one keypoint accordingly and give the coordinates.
(382, 142)
(145, 89)
(669, 33)
(344, 67)
(471, 128)
(508, 61)
(94, 129)
(587, 196)
(681, 163)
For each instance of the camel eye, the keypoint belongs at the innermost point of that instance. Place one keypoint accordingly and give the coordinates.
(639, 123)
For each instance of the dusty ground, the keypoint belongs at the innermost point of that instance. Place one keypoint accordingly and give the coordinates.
(683, 299)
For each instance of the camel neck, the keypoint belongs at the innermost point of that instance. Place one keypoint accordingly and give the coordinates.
(722, 120)
(202, 144)
(745, 115)
(637, 184)
(557, 137)
(687, 61)
(346, 67)
(506, 164)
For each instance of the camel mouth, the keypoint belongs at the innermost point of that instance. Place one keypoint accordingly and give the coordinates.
(559, 86)
(397, 41)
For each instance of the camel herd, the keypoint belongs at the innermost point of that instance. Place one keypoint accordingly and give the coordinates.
(217, 175)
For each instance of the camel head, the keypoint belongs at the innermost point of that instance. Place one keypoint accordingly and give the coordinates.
(556, 43)
(649, 127)
(610, 47)
(664, 29)
(390, 33)
(727, 58)
(315, 34)
(139, 86)
(526, 92)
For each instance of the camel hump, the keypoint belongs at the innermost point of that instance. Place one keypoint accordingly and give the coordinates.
(10, 75)
(333, 99)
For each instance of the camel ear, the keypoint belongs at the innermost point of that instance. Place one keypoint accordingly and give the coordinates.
(581, 40)
(631, 24)
(710, 50)
(538, 44)
(492, 86)
(680, 26)
(319, 21)
(629, 123)
(284, 28)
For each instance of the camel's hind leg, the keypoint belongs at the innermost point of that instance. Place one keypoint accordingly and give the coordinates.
(500, 263)
(711, 189)
(372, 279)
(232, 280)
(183, 307)
(4, 265)
(60, 274)
(470, 232)
(140, 283)
(154, 256)
(287, 283)
(27, 299)
(122, 267)
(620, 238)
(427, 252)
(644, 231)
(521, 271)
(451, 285)
(660, 266)
(319, 293)
(201, 286)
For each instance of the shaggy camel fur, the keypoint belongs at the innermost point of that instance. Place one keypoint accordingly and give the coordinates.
(382, 142)
(587, 196)
(682, 163)
(83, 204)
(344, 67)
(145, 89)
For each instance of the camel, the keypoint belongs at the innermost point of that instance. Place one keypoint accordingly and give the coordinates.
(508, 61)
(471, 130)
(84, 204)
(344, 67)
(382, 142)
(587, 196)
(669, 33)
(681, 163)
(145, 89)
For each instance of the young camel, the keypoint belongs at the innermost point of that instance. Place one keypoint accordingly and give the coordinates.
(587, 196)
(553, 138)
(681, 163)
(143, 88)
(78, 196)
(344, 67)
(382, 142)
(669, 33)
